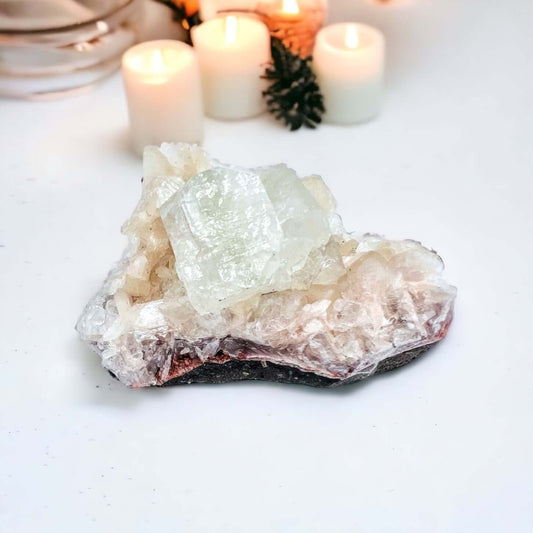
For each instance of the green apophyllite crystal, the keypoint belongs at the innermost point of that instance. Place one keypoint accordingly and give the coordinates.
(236, 233)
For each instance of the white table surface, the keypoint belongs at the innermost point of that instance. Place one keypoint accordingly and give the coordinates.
(443, 445)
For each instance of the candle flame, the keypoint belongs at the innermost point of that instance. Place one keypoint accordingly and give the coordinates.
(351, 38)
(291, 7)
(231, 29)
(157, 63)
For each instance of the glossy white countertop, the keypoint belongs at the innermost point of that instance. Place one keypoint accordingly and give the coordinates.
(442, 445)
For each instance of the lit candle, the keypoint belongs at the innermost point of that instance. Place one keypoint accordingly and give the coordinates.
(348, 60)
(294, 22)
(163, 88)
(232, 52)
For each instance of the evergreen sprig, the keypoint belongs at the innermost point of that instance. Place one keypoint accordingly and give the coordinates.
(293, 96)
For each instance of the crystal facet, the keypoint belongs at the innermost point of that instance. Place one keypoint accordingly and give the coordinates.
(249, 274)
(236, 233)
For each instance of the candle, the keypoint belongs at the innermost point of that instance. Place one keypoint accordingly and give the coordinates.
(294, 22)
(232, 52)
(162, 81)
(348, 61)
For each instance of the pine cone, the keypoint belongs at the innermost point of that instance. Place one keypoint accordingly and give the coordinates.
(293, 96)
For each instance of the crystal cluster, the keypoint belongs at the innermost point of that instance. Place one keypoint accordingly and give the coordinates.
(228, 266)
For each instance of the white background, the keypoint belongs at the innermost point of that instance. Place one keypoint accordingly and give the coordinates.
(442, 445)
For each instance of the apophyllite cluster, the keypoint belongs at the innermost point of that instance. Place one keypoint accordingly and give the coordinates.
(234, 273)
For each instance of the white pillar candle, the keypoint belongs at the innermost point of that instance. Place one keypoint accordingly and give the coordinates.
(163, 88)
(348, 60)
(232, 52)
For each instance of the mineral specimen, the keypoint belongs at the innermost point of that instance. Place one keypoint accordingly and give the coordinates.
(235, 274)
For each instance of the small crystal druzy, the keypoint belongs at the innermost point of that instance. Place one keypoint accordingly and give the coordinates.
(235, 273)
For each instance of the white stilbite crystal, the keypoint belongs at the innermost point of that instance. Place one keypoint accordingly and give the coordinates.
(254, 265)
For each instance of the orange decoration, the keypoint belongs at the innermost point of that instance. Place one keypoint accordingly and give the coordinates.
(294, 23)
(191, 6)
